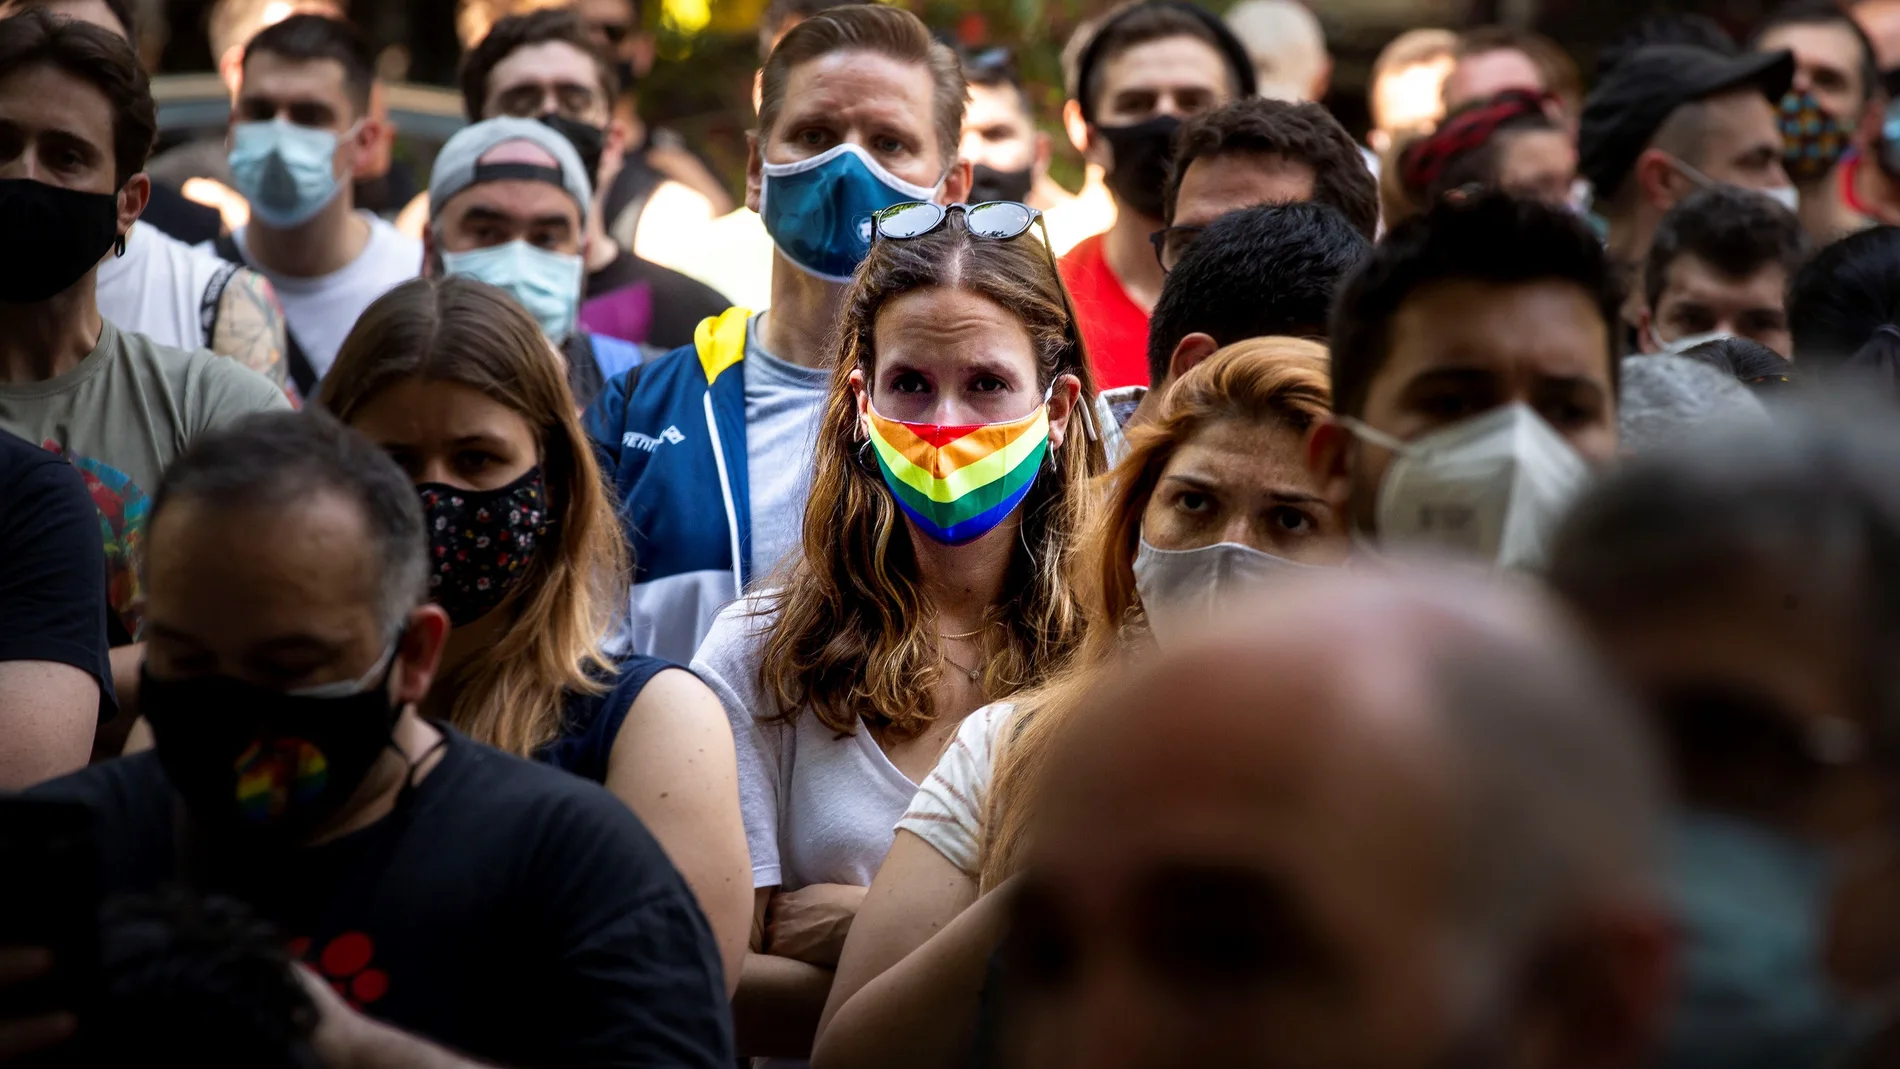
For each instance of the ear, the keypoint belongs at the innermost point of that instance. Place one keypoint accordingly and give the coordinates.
(758, 89)
(1322, 81)
(754, 171)
(1045, 153)
(133, 198)
(1072, 123)
(861, 396)
(1379, 141)
(420, 654)
(1062, 401)
(365, 145)
(1646, 333)
(231, 70)
(1657, 179)
(641, 50)
(1327, 447)
(613, 156)
(956, 184)
(1872, 117)
(1188, 352)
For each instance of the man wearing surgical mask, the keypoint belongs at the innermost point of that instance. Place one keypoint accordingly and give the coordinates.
(1720, 267)
(711, 446)
(299, 131)
(1148, 69)
(1671, 119)
(1474, 382)
(508, 204)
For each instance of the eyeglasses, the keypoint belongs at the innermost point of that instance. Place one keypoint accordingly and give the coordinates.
(1171, 243)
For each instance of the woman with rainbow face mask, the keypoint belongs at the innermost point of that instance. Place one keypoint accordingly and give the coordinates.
(952, 475)
(1212, 501)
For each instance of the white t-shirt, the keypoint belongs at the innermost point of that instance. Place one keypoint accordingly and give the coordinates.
(321, 311)
(950, 806)
(818, 808)
(158, 288)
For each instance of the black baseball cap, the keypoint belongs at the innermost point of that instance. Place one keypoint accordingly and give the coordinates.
(1637, 95)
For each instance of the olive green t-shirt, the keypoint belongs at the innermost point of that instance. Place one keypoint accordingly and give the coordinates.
(121, 416)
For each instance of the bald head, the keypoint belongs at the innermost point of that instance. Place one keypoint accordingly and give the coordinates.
(1326, 810)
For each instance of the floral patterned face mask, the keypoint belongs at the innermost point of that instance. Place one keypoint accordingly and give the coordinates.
(480, 542)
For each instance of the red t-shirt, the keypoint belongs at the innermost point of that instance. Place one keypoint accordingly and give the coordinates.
(1114, 328)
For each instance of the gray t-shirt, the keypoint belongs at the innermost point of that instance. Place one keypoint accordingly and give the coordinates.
(783, 406)
(121, 416)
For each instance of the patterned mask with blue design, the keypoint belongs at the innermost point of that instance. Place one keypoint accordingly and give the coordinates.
(818, 211)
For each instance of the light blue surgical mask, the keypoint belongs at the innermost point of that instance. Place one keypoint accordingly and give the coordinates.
(286, 171)
(547, 284)
(818, 211)
(1755, 994)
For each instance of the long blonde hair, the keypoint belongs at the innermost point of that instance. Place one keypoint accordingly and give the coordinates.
(1271, 381)
(455, 330)
(853, 636)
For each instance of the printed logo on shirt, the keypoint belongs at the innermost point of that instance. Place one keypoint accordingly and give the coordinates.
(123, 510)
(345, 963)
(648, 443)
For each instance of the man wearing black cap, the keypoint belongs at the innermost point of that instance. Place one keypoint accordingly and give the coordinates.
(1148, 69)
(1674, 118)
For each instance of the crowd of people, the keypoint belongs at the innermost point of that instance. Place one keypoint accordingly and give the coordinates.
(1431, 601)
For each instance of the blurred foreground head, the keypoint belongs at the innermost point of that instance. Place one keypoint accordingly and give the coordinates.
(1389, 822)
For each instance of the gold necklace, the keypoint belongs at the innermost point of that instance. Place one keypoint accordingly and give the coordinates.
(966, 634)
(974, 675)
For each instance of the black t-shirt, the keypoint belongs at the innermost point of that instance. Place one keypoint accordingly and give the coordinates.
(679, 302)
(506, 910)
(188, 221)
(52, 566)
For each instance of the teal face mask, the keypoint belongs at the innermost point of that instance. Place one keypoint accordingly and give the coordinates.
(1755, 994)
(818, 211)
(286, 171)
(547, 284)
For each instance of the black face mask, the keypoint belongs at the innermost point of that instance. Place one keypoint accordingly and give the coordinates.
(54, 236)
(1142, 152)
(628, 77)
(260, 765)
(480, 542)
(988, 183)
(588, 141)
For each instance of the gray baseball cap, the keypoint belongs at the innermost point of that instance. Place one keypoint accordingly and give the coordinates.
(458, 166)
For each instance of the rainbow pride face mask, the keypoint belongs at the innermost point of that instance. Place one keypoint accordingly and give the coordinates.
(956, 483)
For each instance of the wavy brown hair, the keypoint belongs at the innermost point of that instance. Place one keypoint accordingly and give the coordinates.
(1261, 381)
(853, 636)
(461, 331)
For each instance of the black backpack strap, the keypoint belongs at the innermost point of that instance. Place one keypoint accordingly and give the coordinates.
(214, 299)
(301, 373)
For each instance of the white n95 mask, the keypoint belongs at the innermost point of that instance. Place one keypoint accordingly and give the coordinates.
(1494, 486)
(1182, 587)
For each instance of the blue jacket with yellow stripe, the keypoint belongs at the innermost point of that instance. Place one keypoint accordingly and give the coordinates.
(671, 437)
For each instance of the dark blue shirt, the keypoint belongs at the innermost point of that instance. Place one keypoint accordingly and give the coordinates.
(593, 721)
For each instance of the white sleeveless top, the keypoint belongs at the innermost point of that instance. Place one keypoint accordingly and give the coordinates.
(158, 288)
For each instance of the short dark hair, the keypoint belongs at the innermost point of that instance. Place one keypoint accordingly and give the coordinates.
(1737, 232)
(100, 57)
(1827, 13)
(1261, 271)
(561, 25)
(201, 982)
(1562, 79)
(309, 38)
(274, 458)
(121, 10)
(1844, 303)
(1154, 20)
(1491, 237)
(1467, 149)
(1303, 133)
(998, 74)
(780, 12)
(1753, 364)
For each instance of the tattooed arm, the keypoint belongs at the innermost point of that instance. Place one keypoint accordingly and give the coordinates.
(250, 327)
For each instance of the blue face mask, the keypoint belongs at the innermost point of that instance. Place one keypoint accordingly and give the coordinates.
(1754, 904)
(818, 211)
(547, 284)
(286, 171)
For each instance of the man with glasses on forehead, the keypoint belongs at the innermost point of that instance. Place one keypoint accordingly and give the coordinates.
(711, 446)
(547, 65)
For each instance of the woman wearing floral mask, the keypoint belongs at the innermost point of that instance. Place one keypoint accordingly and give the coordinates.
(952, 474)
(1212, 498)
(457, 384)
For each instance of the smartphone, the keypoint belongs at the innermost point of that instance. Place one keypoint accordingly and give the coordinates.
(50, 898)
